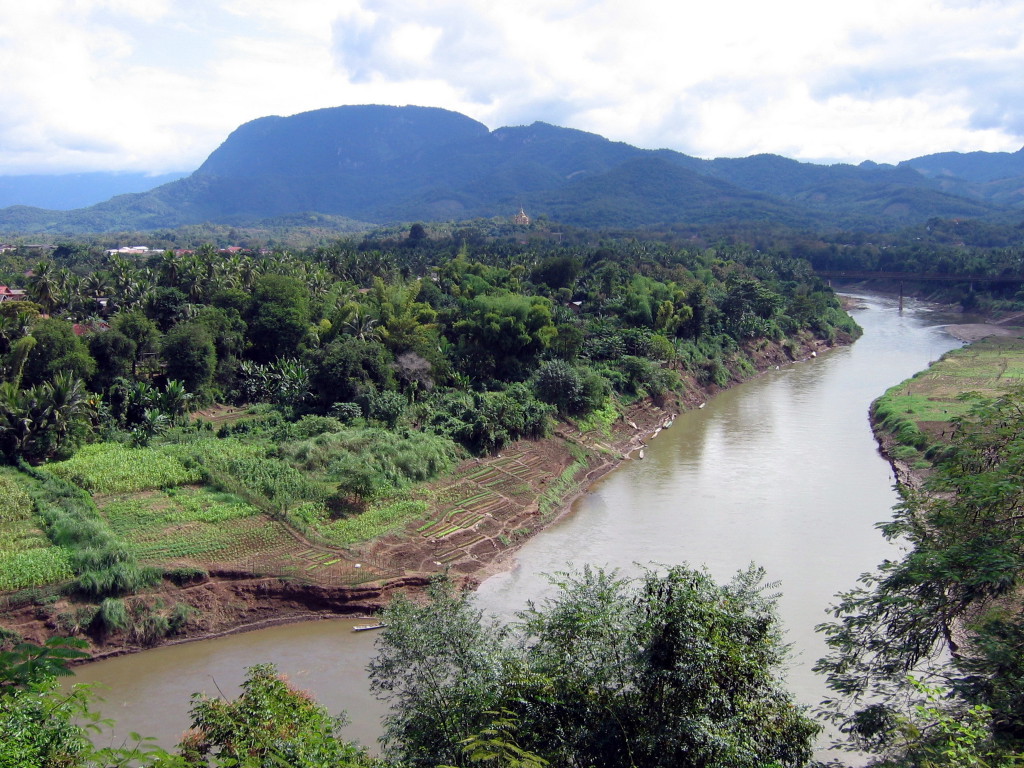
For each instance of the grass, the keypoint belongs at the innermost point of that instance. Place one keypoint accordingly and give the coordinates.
(376, 521)
(557, 491)
(933, 398)
(600, 420)
(27, 557)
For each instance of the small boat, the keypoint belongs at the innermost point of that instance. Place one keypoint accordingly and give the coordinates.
(669, 423)
(641, 454)
(702, 405)
(367, 627)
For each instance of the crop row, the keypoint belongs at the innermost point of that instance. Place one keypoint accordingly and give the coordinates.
(34, 568)
(105, 468)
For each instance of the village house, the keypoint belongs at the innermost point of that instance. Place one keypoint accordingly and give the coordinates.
(11, 294)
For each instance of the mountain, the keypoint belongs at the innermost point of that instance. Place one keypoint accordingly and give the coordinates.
(970, 166)
(380, 164)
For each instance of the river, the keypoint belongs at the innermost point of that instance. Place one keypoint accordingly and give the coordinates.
(782, 471)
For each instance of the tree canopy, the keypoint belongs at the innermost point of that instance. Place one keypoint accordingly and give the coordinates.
(664, 669)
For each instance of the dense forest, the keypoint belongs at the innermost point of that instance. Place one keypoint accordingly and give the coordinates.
(420, 332)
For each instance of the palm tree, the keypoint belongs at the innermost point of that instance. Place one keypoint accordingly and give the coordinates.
(96, 285)
(65, 402)
(42, 286)
(362, 326)
(170, 264)
(175, 400)
(153, 422)
(10, 330)
(16, 425)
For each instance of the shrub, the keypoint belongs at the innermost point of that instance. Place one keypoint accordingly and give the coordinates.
(179, 617)
(185, 575)
(123, 578)
(112, 615)
(148, 626)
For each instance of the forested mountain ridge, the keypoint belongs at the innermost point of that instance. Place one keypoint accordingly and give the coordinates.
(381, 164)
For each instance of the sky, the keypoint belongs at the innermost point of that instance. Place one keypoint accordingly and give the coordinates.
(157, 85)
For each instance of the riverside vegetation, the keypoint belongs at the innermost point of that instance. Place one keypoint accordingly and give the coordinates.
(357, 371)
(666, 669)
(926, 653)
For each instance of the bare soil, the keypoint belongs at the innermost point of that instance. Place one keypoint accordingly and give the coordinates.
(975, 331)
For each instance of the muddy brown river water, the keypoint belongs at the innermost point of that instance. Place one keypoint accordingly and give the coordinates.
(782, 471)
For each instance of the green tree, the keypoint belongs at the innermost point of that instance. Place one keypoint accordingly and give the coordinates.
(441, 668)
(278, 317)
(502, 336)
(57, 349)
(269, 724)
(347, 368)
(189, 356)
(167, 307)
(574, 391)
(141, 330)
(114, 354)
(666, 669)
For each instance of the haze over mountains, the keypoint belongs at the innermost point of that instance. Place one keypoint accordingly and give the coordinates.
(379, 164)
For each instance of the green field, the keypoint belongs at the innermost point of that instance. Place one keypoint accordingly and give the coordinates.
(918, 411)
(27, 557)
(255, 502)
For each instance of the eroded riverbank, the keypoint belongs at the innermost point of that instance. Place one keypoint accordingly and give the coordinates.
(561, 468)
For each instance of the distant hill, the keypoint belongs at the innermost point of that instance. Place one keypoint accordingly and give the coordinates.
(62, 192)
(380, 165)
(991, 177)
(970, 166)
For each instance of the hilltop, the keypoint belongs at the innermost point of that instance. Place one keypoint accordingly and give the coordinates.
(376, 165)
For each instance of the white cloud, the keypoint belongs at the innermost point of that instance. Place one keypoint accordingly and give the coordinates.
(117, 84)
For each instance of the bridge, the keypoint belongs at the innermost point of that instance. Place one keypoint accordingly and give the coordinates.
(853, 274)
(901, 277)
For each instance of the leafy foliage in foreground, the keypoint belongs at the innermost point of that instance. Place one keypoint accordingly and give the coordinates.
(667, 669)
(270, 723)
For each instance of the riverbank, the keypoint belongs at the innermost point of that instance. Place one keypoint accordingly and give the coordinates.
(529, 485)
(929, 400)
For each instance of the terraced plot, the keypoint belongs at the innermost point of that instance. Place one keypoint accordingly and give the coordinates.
(483, 509)
(196, 526)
